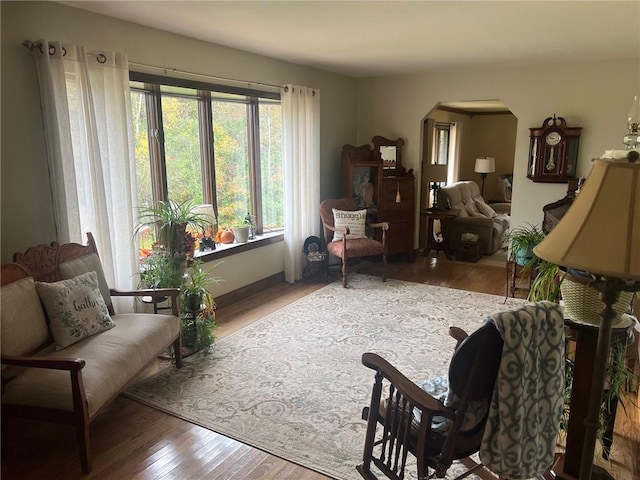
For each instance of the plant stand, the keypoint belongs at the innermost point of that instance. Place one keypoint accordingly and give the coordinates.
(586, 338)
(516, 281)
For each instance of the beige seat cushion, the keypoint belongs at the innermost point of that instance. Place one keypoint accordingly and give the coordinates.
(113, 357)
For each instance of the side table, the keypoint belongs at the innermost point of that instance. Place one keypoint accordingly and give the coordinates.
(442, 243)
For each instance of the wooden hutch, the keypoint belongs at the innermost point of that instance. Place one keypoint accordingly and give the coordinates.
(375, 178)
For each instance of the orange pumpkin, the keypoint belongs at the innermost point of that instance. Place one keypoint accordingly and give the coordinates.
(226, 236)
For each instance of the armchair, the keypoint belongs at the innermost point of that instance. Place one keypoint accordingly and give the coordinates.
(490, 222)
(346, 247)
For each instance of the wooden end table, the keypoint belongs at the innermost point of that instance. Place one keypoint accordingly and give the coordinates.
(433, 243)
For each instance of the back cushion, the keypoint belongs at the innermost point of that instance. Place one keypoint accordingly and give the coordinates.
(24, 328)
(88, 263)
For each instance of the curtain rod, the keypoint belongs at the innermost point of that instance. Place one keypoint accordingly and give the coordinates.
(185, 72)
(31, 45)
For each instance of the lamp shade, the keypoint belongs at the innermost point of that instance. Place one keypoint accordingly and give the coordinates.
(206, 212)
(485, 165)
(600, 233)
(437, 173)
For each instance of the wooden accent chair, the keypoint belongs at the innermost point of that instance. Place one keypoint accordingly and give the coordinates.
(393, 429)
(349, 248)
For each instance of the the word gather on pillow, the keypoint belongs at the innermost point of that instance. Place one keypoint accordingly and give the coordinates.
(75, 308)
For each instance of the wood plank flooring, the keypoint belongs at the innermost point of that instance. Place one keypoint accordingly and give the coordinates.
(133, 441)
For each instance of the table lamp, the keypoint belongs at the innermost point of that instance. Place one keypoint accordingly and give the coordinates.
(600, 235)
(484, 165)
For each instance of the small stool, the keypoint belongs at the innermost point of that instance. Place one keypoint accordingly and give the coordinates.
(468, 251)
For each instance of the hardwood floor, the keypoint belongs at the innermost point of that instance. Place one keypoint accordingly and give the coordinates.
(133, 441)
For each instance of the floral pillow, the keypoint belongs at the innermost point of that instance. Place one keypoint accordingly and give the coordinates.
(75, 308)
(354, 219)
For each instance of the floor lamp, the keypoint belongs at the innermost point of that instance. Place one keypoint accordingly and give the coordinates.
(484, 166)
(608, 206)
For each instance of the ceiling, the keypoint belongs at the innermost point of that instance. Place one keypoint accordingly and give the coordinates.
(380, 38)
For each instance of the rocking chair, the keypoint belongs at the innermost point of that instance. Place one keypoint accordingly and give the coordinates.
(404, 418)
(412, 421)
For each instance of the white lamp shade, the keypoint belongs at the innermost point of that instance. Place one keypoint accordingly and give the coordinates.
(206, 212)
(600, 233)
(485, 165)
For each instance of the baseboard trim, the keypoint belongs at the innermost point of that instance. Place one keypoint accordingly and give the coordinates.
(243, 292)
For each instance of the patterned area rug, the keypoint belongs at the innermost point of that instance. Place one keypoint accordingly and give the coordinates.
(293, 385)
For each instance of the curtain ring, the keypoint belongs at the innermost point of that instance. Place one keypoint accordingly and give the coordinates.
(286, 88)
(52, 49)
(102, 58)
(64, 51)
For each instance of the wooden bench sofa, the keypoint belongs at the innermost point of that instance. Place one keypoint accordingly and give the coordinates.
(73, 384)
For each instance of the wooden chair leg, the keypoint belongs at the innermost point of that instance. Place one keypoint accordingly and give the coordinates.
(84, 446)
(177, 351)
(384, 268)
(344, 272)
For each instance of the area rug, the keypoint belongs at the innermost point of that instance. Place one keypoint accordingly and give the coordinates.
(293, 385)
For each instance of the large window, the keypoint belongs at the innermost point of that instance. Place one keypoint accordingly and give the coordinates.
(201, 143)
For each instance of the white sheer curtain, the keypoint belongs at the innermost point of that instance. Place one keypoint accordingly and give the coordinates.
(301, 131)
(87, 119)
(455, 147)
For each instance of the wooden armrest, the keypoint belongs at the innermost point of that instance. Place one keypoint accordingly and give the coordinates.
(409, 390)
(59, 363)
(383, 225)
(458, 334)
(343, 230)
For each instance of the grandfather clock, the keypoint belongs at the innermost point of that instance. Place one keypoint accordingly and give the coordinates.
(553, 151)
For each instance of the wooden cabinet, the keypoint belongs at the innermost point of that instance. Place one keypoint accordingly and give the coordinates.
(397, 206)
(387, 194)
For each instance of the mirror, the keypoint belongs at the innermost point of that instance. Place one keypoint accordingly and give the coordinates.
(389, 152)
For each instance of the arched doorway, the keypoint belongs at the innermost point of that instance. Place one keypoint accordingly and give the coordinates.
(454, 135)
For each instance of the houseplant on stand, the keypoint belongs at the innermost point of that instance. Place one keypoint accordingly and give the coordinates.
(198, 307)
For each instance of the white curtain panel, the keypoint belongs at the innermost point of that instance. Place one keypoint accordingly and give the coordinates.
(87, 115)
(301, 140)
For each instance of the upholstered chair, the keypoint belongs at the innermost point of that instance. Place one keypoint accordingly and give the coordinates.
(345, 234)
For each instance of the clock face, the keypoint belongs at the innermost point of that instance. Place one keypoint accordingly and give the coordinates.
(553, 138)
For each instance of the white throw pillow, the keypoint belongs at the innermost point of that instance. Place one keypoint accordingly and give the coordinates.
(75, 308)
(471, 209)
(485, 209)
(354, 219)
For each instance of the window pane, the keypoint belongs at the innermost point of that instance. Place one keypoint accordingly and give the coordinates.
(143, 165)
(271, 165)
(182, 149)
(231, 162)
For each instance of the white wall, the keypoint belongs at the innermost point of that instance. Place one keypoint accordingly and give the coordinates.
(595, 96)
(26, 205)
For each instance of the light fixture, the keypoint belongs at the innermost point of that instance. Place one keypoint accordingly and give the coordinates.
(485, 165)
(632, 139)
(609, 205)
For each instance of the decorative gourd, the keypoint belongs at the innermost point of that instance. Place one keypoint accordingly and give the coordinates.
(226, 236)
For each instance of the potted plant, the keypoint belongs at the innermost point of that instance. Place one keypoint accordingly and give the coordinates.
(194, 287)
(170, 220)
(522, 240)
(159, 269)
(198, 305)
